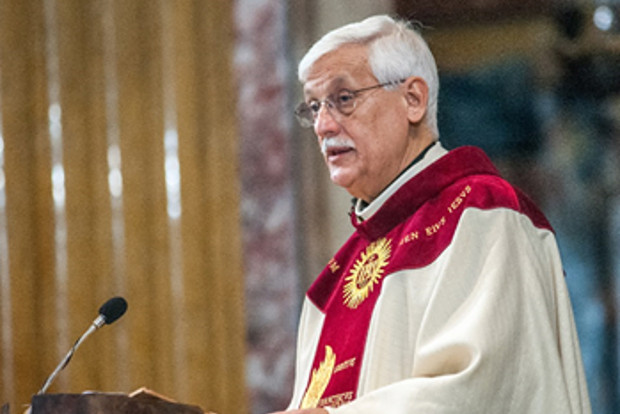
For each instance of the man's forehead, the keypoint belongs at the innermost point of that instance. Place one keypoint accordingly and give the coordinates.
(328, 83)
(339, 66)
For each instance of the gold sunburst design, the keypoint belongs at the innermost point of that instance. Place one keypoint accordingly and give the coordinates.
(366, 272)
(320, 379)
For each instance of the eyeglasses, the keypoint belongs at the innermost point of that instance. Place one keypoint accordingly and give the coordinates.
(344, 101)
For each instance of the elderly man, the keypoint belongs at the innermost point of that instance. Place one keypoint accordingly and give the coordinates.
(449, 297)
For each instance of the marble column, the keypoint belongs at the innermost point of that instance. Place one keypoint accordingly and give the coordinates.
(267, 202)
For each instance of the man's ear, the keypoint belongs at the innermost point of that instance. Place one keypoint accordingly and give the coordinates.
(416, 94)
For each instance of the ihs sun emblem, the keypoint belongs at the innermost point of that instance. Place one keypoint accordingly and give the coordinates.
(366, 272)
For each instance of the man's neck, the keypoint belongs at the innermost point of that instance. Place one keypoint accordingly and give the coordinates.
(417, 159)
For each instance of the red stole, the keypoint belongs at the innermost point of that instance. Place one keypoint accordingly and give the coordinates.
(356, 284)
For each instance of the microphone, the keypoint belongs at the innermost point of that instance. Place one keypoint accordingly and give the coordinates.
(108, 312)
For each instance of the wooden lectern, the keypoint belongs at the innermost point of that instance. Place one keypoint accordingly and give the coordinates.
(143, 402)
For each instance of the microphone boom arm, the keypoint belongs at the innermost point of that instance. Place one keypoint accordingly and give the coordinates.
(108, 313)
(98, 323)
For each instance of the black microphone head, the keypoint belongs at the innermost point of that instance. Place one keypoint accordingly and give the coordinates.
(113, 309)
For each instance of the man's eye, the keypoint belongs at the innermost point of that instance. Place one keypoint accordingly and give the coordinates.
(314, 106)
(345, 98)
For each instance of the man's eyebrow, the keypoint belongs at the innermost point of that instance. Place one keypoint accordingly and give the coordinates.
(330, 86)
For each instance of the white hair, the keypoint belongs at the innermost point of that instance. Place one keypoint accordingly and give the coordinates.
(395, 51)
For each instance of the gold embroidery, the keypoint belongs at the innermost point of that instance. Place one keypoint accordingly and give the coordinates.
(320, 379)
(349, 363)
(337, 400)
(459, 199)
(366, 272)
(430, 230)
(414, 235)
(333, 265)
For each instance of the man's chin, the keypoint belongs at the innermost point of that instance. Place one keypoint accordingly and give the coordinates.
(342, 178)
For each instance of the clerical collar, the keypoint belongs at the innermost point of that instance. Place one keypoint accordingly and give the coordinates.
(363, 210)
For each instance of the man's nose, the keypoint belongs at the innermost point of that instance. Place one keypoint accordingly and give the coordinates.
(325, 124)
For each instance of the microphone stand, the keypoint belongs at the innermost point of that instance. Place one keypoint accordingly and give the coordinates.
(97, 323)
